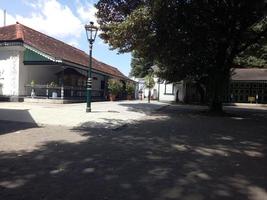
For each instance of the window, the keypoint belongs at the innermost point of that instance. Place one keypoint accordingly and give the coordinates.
(168, 89)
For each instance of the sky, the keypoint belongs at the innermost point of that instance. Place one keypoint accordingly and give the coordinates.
(63, 20)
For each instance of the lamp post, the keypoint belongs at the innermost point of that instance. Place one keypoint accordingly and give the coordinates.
(91, 32)
(159, 81)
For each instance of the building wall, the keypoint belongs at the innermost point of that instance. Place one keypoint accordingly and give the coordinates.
(166, 92)
(97, 78)
(23, 75)
(9, 70)
(170, 92)
(246, 92)
(15, 75)
(41, 74)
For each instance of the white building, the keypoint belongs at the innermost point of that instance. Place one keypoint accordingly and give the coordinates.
(162, 91)
(27, 55)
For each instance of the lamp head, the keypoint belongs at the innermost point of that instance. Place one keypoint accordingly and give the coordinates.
(91, 32)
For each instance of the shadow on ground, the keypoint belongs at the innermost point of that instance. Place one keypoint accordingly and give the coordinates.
(185, 155)
(13, 118)
(143, 107)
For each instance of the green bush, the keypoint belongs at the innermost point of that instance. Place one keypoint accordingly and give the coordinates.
(130, 88)
(114, 86)
(33, 83)
(149, 82)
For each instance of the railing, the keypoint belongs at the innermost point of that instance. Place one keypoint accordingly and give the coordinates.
(63, 92)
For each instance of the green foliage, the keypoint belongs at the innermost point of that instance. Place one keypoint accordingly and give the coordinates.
(195, 39)
(114, 86)
(130, 88)
(202, 37)
(149, 81)
(33, 83)
(255, 55)
(126, 25)
(140, 66)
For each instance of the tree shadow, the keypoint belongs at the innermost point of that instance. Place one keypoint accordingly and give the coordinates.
(185, 156)
(12, 120)
(146, 108)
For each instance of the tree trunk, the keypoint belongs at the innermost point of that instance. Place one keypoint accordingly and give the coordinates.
(149, 94)
(217, 83)
(216, 105)
(220, 77)
(201, 91)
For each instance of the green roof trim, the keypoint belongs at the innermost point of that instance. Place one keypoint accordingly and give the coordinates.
(30, 56)
(36, 54)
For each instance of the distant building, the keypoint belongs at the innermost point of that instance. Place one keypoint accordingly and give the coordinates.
(247, 85)
(28, 56)
(162, 91)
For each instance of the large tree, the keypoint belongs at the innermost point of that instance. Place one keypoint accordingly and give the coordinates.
(140, 66)
(196, 39)
(255, 54)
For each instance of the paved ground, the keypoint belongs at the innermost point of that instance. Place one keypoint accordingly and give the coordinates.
(179, 152)
(107, 114)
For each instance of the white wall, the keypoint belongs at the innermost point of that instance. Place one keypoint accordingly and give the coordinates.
(42, 74)
(14, 75)
(9, 70)
(171, 91)
(96, 84)
(169, 95)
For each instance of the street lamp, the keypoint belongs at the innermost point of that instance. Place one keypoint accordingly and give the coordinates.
(91, 32)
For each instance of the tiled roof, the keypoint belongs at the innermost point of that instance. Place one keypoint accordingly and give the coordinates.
(250, 74)
(53, 47)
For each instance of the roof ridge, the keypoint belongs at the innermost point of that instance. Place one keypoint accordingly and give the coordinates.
(19, 31)
(24, 26)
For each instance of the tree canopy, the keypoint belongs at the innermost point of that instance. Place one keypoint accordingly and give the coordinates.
(196, 39)
(140, 66)
(255, 55)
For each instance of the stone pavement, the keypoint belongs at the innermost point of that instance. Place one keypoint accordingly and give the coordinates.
(104, 114)
(179, 152)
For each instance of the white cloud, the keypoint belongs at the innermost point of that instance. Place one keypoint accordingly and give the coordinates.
(50, 17)
(33, 3)
(57, 19)
(87, 12)
(54, 19)
(9, 18)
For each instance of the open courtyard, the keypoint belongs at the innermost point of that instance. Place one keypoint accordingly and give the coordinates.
(154, 151)
(174, 100)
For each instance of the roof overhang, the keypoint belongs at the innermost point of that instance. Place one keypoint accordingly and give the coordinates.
(51, 58)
